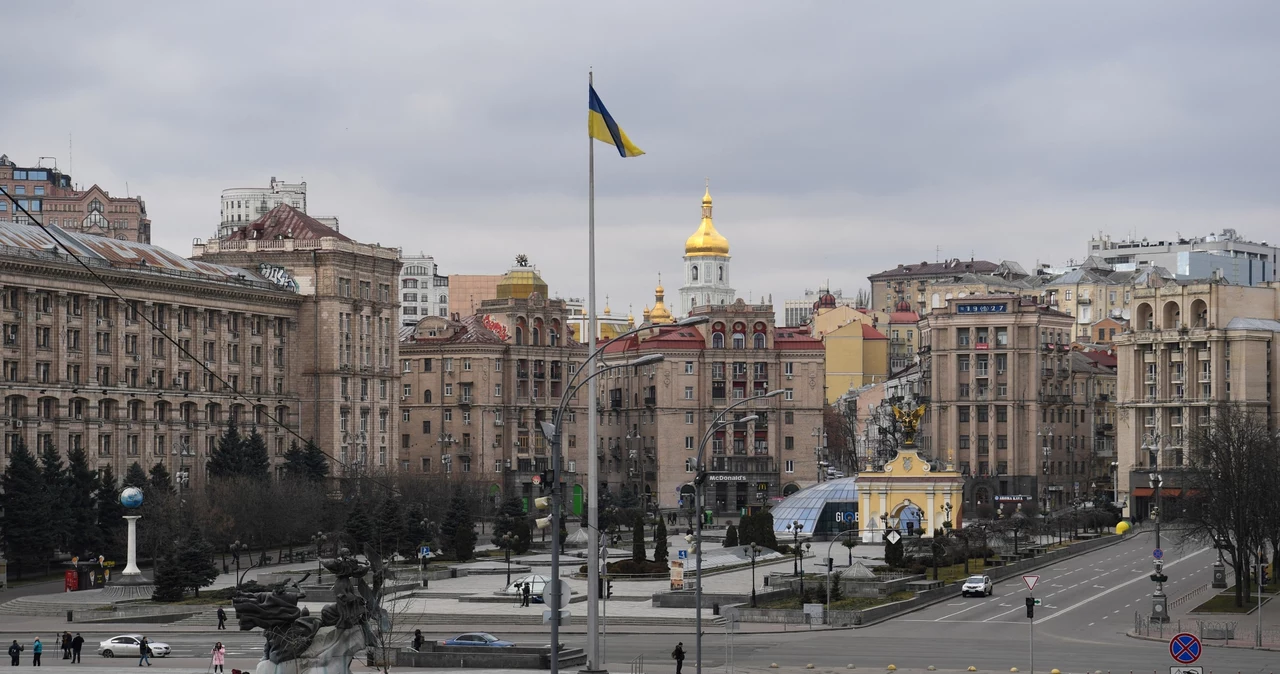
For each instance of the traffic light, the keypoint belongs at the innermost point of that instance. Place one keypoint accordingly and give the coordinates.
(545, 481)
(1031, 607)
(608, 592)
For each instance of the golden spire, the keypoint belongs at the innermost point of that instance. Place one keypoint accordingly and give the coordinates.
(607, 311)
(645, 314)
(659, 315)
(631, 319)
(706, 240)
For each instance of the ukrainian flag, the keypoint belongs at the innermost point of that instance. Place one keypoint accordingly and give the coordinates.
(600, 125)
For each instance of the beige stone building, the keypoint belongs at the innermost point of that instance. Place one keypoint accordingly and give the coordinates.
(467, 291)
(905, 288)
(1191, 346)
(347, 346)
(475, 390)
(83, 366)
(652, 418)
(51, 196)
(997, 374)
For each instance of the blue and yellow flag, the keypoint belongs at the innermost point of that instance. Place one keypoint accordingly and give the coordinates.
(600, 125)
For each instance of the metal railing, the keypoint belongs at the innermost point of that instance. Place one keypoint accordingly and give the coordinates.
(637, 665)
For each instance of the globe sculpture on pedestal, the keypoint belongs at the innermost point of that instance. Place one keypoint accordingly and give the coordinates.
(131, 497)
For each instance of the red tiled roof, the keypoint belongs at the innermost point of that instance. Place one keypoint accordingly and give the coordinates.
(869, 332)
(668, 337)
(794, 341)
(286, 222)
(1103, 358)
(904, 317)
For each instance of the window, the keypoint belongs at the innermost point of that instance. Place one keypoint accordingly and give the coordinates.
(787, 369)
(983, 412)
(964, 442)
(739, 340)
(758, 341)
(688, 417)
(688, 367)
(790, 466)
(964, 363)
(964, 391)
(1002, 442)
(964, 413)
(448, 414)
(1002, 414)
(788, 417)
(789, 442)
(688, 393)
(448, 389)
(1002, 363)
(789, 394)
(497, 390)
(688, 442)
(426, 427)
(717, 340)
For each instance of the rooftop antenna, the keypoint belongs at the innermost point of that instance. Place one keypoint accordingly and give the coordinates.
(937, 254)
(71, 155)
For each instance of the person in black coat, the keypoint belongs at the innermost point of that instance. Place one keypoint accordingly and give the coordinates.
(222, 619)
(678, 656)
(77, 642)
(15, 649)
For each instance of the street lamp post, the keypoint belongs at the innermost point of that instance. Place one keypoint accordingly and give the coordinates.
(1046, 447)
(553, 432)
(699, 498)
(317, 540)
(505, 543)
(1115, 483)
(1159, 602)
(754, 551)
(236, 548)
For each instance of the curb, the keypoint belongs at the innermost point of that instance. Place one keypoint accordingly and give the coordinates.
(1134, 635)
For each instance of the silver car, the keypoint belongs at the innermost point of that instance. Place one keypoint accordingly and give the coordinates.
(977, 585)
(126, 645)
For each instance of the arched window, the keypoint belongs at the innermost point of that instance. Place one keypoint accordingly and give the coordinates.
(739, 340)
(693, 271)
(519, 335)
(537, 337)
(717, 340)
(721, 272)
(426, 396)
(759, 340)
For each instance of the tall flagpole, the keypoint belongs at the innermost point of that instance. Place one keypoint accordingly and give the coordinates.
(593, 461)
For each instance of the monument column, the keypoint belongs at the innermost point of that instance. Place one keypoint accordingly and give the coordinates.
(131, 568)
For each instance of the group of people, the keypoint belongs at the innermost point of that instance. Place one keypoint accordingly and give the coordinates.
(71, 646)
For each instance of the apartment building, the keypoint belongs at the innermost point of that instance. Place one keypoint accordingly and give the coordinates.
(87, 367)
(1191, 346)
(654, 417)
(423, 290)
(906, 287)
(51, 197)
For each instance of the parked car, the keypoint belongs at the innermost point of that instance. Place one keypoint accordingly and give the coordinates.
(977, 585)
(478, 639)
(127, 645)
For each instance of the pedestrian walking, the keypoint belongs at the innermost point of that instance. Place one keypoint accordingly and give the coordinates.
(66, 645)
(222, 619)
(77, 642)
(144, 652)
(678, 656)
(36, 650)
(418, 640)
(219, 656)
(524, 593)
(15, 649)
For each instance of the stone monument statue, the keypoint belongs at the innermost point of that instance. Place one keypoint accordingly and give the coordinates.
(300, 643)
(130, 583)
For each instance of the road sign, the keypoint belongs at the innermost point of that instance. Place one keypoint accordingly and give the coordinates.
(894, 537)
(1157, 553)
(682, 554)
(537, 479)
(1186, 670)
(1037, 602)
(424, 551)
(1185, 648)
(1031, 582)
(564, 616)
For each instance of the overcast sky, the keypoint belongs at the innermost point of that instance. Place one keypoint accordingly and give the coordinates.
(841, 138)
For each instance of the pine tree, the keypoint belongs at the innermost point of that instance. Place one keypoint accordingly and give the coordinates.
(660, 542)
(359, 525)
(159, 480)
(514, 520)
(54, 475)
(388, 527)
(169, 577)
(110, 516)
(26, 510)
(195, 558)
(227, 457)
(135, 476)
(295, 467)
(637, 539)
(731, 537)
(257, 462)
(317, 464)
(458, 531)
(82, 485)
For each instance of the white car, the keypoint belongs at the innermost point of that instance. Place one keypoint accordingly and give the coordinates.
(126, 645)
(977, 585)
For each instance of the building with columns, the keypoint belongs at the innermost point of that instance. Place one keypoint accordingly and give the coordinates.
(706, 265)
(1190, 347)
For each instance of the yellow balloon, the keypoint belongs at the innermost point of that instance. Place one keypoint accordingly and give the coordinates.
(1122, 527)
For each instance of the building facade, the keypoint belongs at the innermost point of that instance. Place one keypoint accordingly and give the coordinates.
(243, 205)
(1227, 255)
(467, 291)
(653, 418)
(905, 287)
(996, 371)
(85, 368)
(1191, 347)
(796, 313)
(475, 391)
(706, 265)
(347, 349)
(423, 291)
(51, 197)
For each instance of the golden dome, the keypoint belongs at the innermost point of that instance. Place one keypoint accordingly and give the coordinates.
(706, 241)
(659, 315)
(521, 282)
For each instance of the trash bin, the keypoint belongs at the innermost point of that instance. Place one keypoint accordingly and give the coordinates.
(715, 610)
(766, 581)
(453, 572)
(68, 616)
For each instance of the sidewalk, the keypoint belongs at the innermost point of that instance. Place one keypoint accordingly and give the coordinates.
(1245, 626)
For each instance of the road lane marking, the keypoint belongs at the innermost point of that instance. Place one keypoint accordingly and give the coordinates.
(1144, 576)
(984, 603)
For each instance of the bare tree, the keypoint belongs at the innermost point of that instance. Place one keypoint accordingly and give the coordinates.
(1231, 486)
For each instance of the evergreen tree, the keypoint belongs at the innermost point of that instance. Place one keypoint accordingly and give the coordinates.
(168, 577)
(359, 526)
(25, 510)
(195, 558)
(227, 459)
(660, 542)
(295, 462)
(110, 516)
(316, 463)
(82, 486)
(514, 520)
(159, 480)
(458, 531)
(388, 527)
(731, 537)
(637, 539)
(135, 476)
(54, 476)
(765, 537)
(257, 461)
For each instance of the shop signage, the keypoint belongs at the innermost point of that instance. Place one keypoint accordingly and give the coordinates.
(727, 478)
(981, 308)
